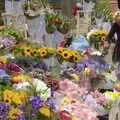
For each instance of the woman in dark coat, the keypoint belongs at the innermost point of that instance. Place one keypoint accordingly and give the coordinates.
(115, 29)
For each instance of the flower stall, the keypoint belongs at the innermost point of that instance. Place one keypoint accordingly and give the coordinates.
(82, 85)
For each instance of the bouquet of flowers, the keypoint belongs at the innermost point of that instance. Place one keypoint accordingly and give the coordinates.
(68, 55)
(97, 38)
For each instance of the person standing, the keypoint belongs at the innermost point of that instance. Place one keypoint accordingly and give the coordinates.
(115, 29)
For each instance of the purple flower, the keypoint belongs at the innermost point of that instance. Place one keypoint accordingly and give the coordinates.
(21, 117)
(36, 102)
(8, 42)
(42, 66)
(3, 110)
(50, 103)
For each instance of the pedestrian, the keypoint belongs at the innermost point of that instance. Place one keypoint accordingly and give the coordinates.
(115, 29)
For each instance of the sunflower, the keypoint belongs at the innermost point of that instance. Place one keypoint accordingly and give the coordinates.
(28, 51)
(75, 52)
(14, 113)
(43, 52)
(51, 50)
(8, 94)
(8, 100)
(76, 58)
(34, 52)
(3, 59)
(60, 50)
(66, 55)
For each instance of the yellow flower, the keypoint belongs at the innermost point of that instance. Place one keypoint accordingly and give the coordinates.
(75, 53)
(75, 118)
(42, 52)
(16, 100)
(45, 111)
(51, 50)
(60, 50)
(87, 71)
(65, 100)
(75, 76)
(14, 113)
(3, 59)
(8, 100)
(34, 52)
(117, 85)
(8, 94)
(76, 58)
(28, 51)
(20, 78)
(66, 55)
(23, 95)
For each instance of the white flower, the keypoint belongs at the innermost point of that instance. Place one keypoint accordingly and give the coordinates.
(42, 89)
(90, 33)
(96, 53)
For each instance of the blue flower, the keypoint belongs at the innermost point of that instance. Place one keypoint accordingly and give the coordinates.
(3, 110)
(21, 117)
(50, 103)
(36, 102)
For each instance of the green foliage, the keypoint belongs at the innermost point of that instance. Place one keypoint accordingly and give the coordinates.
(102, 9)
(11, 31)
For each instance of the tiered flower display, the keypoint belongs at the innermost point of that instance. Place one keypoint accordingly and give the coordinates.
(29, 91)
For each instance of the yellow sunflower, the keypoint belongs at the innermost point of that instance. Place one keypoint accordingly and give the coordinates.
(3, 59)
(28, 51)
(13, 113)
(66, 55)
(8, 100)
(76, 58)
(8, 94)
(16, 99)
(51, 50)
(34, 52)
(75, 52)
(42, 52)
(60, 50)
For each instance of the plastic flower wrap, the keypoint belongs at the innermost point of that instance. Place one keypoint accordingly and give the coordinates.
(111, 97)
(80, 43)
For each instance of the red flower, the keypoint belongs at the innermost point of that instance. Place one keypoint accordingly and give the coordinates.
(64, 115)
